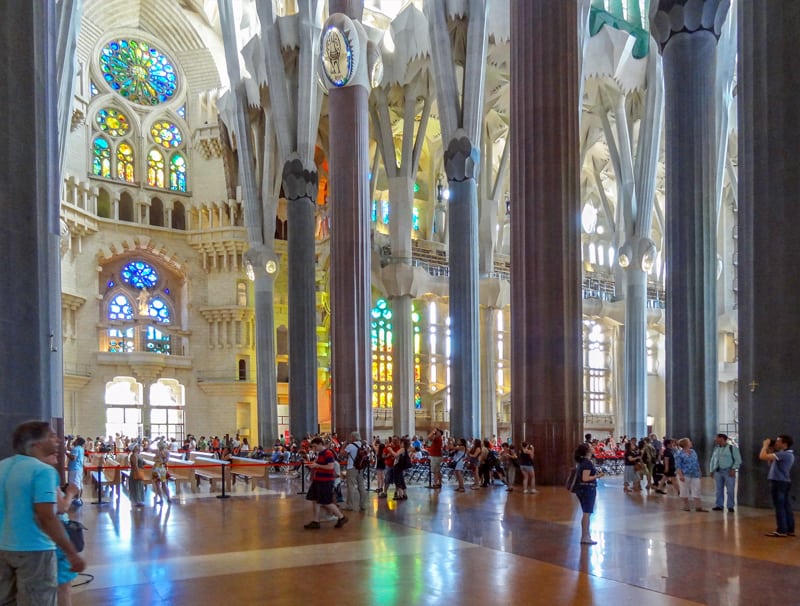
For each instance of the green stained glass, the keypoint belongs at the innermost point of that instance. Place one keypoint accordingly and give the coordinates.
(177, 173)
(112, 122)
(166, 134)
(138, 72)
(101, 158)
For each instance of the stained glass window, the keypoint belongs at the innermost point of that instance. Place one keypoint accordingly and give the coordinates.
(120, 341)
(381, 338)
(177, 173)
(101, 158)
(166, 134)
(157, 341)
(182, 111)
(155, 169)
(138, 71)
(113, 122)
(93, 89)
(120, 308)
(415, 218)
(415, 319)
(139, 275)
(159, 311)
(125, 163)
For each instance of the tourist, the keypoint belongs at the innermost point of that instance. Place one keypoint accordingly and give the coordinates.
(687, 468)
(781, 458)
(527, 468)
(321, 490)
(586, 489)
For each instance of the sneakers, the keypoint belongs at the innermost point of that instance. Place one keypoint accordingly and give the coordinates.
(717, 508)
(340, 522)
(588, 542)
(312, 526)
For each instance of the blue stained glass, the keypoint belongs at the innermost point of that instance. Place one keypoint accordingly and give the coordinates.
(374, 211)
(159, 311)
(120, 308)
(139, 275)
(92, 89)
(385, 212)
(182, 111)
(415, 218)
(138, 72)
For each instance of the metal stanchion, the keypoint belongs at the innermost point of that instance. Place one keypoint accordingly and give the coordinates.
(99, 500)
(223, 495)
(302, 477)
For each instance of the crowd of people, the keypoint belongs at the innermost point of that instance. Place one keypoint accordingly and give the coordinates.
(38, 561)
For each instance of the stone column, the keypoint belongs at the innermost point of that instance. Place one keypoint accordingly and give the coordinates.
(403, 420)
(30, 371)
(635, 352)
(300, 187)
(461, 165)
(687, 32)
(769, 179)
(545, 239)
(266, 372)
(350, 246)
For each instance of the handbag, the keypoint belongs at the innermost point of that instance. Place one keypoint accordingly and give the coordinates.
(75, 533)
(572, 480)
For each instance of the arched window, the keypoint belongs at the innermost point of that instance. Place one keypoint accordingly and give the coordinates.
(125, 163)
(120, 308)
(159, 311)
(104, 204)
(101, 158)
(125, 207)
(155, 169)
(242, 370)
(156, 212)
(381, 337)
(177, 173)
(178, 216)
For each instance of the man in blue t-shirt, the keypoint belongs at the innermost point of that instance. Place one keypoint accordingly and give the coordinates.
(29, 526)
(781, 458)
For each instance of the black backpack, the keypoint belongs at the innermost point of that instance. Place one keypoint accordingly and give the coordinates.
(361, 460)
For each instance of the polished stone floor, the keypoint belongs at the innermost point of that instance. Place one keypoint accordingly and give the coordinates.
(438, 547)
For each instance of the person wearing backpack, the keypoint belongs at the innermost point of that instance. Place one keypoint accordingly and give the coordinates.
(725, 462)
(357, 458)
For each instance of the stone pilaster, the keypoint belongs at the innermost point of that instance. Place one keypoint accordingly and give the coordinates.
(769, 179)
(488, 363)
(300, 187)
(30, 288)
(687, 32)
(545, 239)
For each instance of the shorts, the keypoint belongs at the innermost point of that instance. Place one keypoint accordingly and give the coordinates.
(436, 464)
(75, 477)
(65, 574)
(587, 495)
(159, 473)
(690, 488)
(526, 468)
(321, 492)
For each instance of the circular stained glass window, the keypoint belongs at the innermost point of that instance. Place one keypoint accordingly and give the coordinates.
(138, 72)
(166, 134)
(112, 122)
(139, 275)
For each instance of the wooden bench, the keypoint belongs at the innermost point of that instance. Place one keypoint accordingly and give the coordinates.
(211, 470)
(182, 473)
(250, 470)
(108, 476)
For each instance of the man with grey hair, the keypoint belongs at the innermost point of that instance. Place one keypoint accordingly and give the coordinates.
(29, 526)
(356, 488)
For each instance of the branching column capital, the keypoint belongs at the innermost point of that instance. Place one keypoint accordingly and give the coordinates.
(671, 17)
